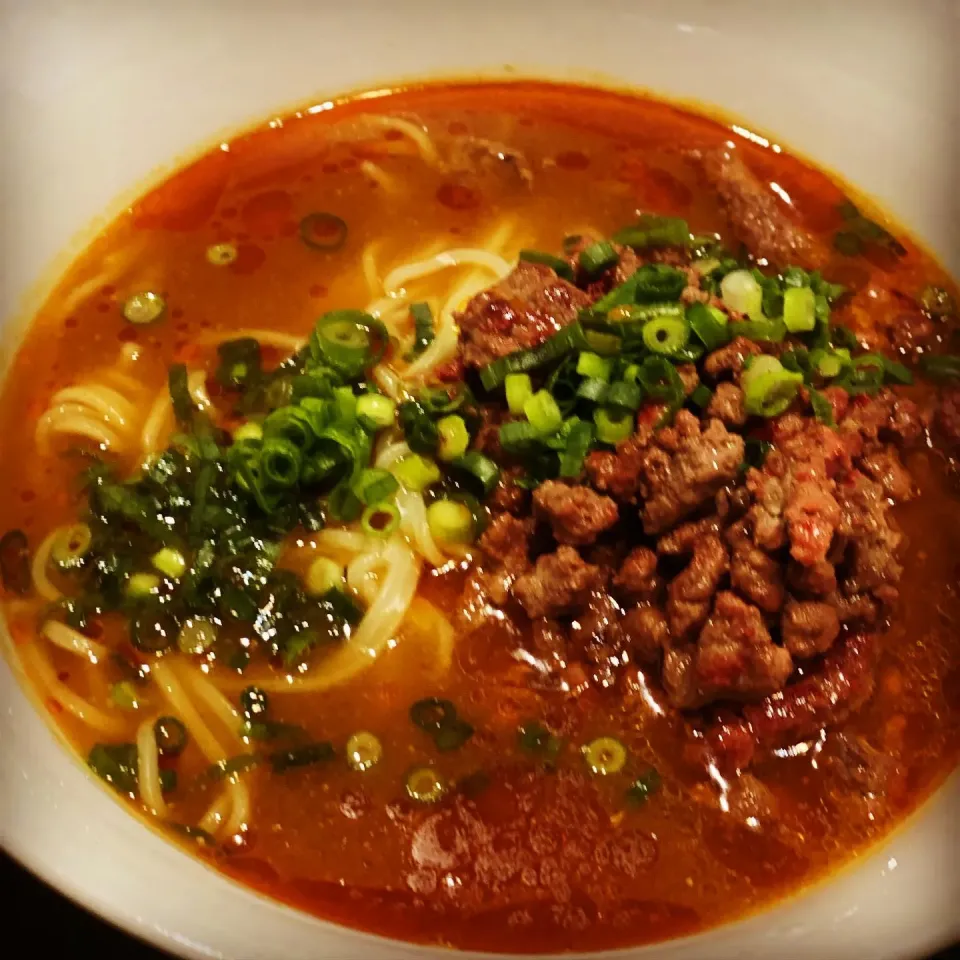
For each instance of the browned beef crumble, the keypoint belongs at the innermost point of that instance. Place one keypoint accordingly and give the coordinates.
(559, 583)
(524, 309)
(577, 514)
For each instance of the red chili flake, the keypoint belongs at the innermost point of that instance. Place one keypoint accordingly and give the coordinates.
(455, 127)
(27, 496)
(176, 313)
(349, 163)
(228, 213)
(318, 290)
(70, 322)
(103, 307)
(330, 168)
(264, 213)
(54, 705)
(456, 196)
(128, 334)
(108, 290)
(63, 676)
(572, 160)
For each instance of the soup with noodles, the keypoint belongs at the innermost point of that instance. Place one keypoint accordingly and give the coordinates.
(510, 516)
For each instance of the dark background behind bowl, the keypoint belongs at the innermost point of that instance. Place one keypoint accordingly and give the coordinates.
(51, 926)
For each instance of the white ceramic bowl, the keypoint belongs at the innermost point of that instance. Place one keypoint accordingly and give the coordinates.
(95, 95)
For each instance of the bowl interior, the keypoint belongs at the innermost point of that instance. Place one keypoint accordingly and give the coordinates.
(98, 95)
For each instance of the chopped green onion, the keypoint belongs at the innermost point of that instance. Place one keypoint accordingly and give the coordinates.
(866, 375)
(518, 436)
(942, 367)
(477, 472)
(593, 391)
(760, 331)
(375, 410)
(415, 472)
(71, 545)
(221, 254)
(653, 282)
(323, 231)
(143, 308)
(15, 562)
(240, 363)
(380, 519)
(423, 332)
(624, 319)
(519, 389)
(593, 365)
(309, 753)
(254, 703)
(701, 396)
(605, 756)
(197, 635)
(374, 485)
(623, 395)
(798, 309)
(652, 230)
(170, 562)
(598, 256)
(768, 387)
(542, 411)
(418, 428)
(432, 714)
(450, 521)
(170, 735)
(444, 399)
(822, 408)
(571, 337)
(345, 402)
(280, 462)
(557, 264)
(124, 695)
(896, 372)
(829, 363)
(709, 324)
(142, 585)
(579, 440)
(323, 575)
(741, 291)
(660, 380)
(536, 739)
(454, 438)
(350, 341)
(644, 787)
(363, 750)
(612, 426)
(665, 335)
(425, 785)
(248, 432)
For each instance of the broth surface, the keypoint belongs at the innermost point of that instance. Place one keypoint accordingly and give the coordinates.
(519, 857)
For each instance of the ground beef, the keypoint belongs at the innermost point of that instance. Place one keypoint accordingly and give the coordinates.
(507, 494)
(576, 514)
(596, 634)
(826, 697)
(637, 577)
(645, 632)
(730, 360)
(523, 310)
(618, 473)
(627, 264)
(690, 593)
(506, 537)
(686, 468)
(727, 404)
(809, 628)
(872, 538)
(877, 776)
(819, 579)
(682, 540)
(884, 466)
(948, 415)
(472, 154)
(757, 576)
(736, 658)
(885, 416)
(559, 583)
(755, 215)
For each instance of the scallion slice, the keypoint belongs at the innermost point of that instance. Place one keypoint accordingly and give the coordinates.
(624, 396)
(597, 257)
(143, 308)
(425, 785)
(742, 292)
(768, 387)
(579, 441)
(423, 332)
(415, 472)
(477, 472)
(666, 335)
(222, 254)
(941, 367)
(375, 410)
(323, 231)
(571, 337)
(604, 756)
(380, 519)
(454, 437)
(652, 230)
(709, 324)
(612, 425)
(798, 309)
(450, 521)
(593, 365)
(350, 341)
(542, 411)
